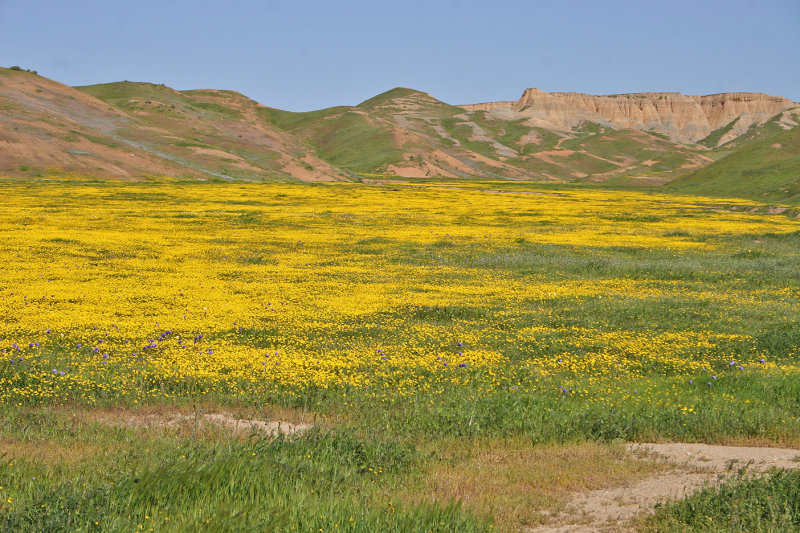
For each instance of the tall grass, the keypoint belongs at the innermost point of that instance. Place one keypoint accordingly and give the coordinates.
(767, 505)
(320, 482)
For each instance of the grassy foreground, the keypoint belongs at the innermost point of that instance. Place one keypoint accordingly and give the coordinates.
(742, 504)
(419, 327)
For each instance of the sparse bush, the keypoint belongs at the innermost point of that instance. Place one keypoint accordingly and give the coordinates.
(20, 69)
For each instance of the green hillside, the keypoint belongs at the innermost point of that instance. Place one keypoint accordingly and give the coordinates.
(343, 136)
(219, 132)
(776, 124)
(138, 129)
(767, 168)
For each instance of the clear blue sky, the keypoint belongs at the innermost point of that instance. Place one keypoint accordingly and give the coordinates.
(301, 55)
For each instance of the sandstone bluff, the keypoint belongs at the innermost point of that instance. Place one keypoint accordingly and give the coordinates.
(684, 118)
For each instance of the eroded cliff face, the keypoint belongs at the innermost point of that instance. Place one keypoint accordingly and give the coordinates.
(683, 118)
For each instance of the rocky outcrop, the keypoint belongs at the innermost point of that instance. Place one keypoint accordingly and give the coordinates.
(683, 118)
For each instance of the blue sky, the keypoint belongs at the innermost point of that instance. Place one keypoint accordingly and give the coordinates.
(304, 55)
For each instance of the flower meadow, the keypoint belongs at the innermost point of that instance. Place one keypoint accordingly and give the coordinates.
(424, 311)
(138, 292)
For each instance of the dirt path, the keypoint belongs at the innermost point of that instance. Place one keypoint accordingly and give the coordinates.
(696, 466)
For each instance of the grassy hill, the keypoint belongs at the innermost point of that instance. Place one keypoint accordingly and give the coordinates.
(767, 168)
(410, 133)
(343, 136)
(222, 131)
(134, 129)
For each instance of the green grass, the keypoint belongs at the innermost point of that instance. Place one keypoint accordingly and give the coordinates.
(549, 141)
(766, 169)
(462, 132)
(341, 136)
(120, 93)
(221, 110)
(713, 138)
(322, 481)
(759, 131)
(428, 105)
(770, 504)
(513, 131)
(354, 142)
(287, 120)
(616, 145)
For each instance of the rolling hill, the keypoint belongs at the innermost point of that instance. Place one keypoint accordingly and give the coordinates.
(732, 143)
(766, 168)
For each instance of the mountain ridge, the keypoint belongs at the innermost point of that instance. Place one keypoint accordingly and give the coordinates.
(132, 130)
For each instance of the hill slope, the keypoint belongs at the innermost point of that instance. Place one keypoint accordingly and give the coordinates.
(409, 133)
(217, 131)
(132, 130)
(766, 168)
(50, 126)
(128, 129)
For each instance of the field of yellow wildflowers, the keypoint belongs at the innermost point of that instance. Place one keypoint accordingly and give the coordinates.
(413, 312)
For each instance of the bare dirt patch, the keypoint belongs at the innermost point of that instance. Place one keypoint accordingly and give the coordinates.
(546, 155)
(530, 138)
(54, 453)
(419, 170)
(693, 466)
(450, 162)
(776, 210)
(235, 160)
(303, 173)
(191, 422)
(519, 483)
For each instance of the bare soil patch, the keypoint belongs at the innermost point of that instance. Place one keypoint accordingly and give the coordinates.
(522, 484)
(693, 466)
(189, 422)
